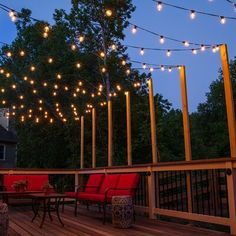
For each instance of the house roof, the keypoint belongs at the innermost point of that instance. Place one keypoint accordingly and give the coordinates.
(7, 136)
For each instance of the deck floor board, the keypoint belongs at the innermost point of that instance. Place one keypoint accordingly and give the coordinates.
(89, 223)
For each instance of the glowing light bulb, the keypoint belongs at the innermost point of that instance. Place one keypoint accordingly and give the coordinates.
(194, 51)
(142, 51)
(13, 86)
(162, 68)
(45, 84)
(45, 35)
(11, 13)
(168, 53)
(162, 39)
(22, 53)
(144, 66)
(186, 43)
(46, 29)
(222, 20)
(59, 76)
(102, 54)
(8, 75)
(159, 6)
(151, 69)
(203, 47)
(78, 65)
(50, 60)
(113, 47)
(169, 69)
(73, 47)
(1, 71)
(123, 62)
(108, 12)
(134, 29)
(214, 49)
(192, 14)
(81, 38)
(104, 70)
(9, 54)
(32, 68)
(128, 71)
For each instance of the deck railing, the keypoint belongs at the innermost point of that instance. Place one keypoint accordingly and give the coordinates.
(202, 190)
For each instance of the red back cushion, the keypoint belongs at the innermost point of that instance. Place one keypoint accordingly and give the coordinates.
(94, 182)
(36, 182)
(128, 181)
(8, 181)
(110, 181)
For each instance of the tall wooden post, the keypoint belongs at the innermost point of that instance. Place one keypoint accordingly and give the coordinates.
(187, 139)
(229, 100)
(93, 138)
(110, 133)
(82, 142)
(128, 125)
(231, 178)
(153, 121)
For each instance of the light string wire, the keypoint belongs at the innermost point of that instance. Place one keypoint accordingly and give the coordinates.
(191, 10)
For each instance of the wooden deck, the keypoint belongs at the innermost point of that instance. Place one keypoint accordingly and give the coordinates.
(89, 223)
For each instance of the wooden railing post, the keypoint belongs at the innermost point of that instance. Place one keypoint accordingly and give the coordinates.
(93, 138)
(82, 142)
(110, 133)
(229, 100)
(187, 139)
(231, 188)
(128, 125)
(151, 194)
(153, 121)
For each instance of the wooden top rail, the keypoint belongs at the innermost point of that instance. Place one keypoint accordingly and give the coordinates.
(218, 163)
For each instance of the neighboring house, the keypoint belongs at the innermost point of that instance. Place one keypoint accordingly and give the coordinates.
(8, 151)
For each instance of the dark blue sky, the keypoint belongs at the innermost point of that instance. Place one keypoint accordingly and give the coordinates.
(201, 69)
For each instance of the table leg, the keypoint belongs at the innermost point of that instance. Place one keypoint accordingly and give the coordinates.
(44, 213)
(57, 210)
(49, 209)
(35, 209)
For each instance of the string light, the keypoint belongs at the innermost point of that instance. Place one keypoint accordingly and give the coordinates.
(113, 47)
(162, 39)
(168, 53)
(222, 20)
(134, 29)
(78, 65)
(73, 47)
(81, 38)
(9, 54)
(123, 62)
(192, 14)
(50, 60)
(22, 53)
(142, 51)
(102, 54)
(186, 43)
(108, 12)
(159, 6)
(194, 51)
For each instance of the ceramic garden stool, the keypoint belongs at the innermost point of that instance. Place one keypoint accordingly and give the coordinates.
(122, 211)
(4, 219)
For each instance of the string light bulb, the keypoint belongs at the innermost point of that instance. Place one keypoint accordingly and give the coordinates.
(50, 60)
(104, 70)
(162, 39)
(78, 65)
(144, 66)
(113, 47)
(81, 38)
(109, 12)
(162, 68)
(192, 14)
(59, 76)
(22, 53)
(9, 54)
(32, 68)
(45, 35)
(134, 29)
(222, 20)
(186, 43)
(203, 47)
(142, 51)
(46, 29)
(159, 6)
(168, 53)
(194, 51)
(73, 47)
(102, 54)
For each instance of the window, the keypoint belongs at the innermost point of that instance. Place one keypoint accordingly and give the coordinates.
(2, 152)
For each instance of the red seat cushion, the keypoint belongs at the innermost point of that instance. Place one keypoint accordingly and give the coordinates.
(71, 194)
(93, 197)
(36, 182)
(94, 183)
(8, 181)
(127, 181)
(110, 181)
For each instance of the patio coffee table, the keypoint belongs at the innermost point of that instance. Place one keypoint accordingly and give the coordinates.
(16, 194)
(47, 202)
